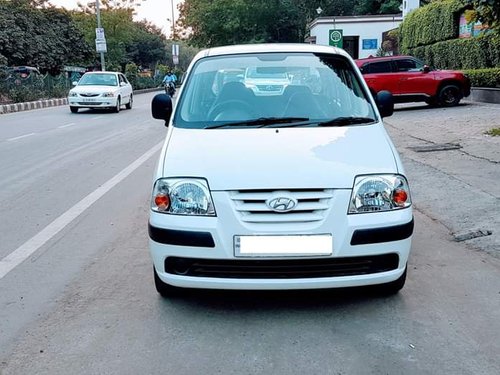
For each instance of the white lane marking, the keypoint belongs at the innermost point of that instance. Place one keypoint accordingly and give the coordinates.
(67, 125)
(96, 118)
(27, 249)
(20, 137)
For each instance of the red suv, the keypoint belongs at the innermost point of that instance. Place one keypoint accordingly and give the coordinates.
(409, 80)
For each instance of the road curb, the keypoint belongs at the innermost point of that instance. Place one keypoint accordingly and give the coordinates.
(28, 106)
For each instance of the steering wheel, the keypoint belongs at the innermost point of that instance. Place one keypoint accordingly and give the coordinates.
(231, 110)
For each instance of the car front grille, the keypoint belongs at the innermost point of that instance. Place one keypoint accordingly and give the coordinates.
(270, 87)
(281, 269)
(251, 206)
(90, 103)
(89, 95)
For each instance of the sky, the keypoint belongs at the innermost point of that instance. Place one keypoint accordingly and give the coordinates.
(156, 11)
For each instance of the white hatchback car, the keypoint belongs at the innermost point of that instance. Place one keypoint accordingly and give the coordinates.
(299, 190)
(101, 90)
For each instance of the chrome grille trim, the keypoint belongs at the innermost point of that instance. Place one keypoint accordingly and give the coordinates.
(251, 205)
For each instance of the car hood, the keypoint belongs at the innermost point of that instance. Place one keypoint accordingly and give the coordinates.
(232, 159)
(93, 89)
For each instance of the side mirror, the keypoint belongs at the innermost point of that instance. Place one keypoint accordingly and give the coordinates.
(385, 103)
(426, 69)
(74, 83)
(161, 107)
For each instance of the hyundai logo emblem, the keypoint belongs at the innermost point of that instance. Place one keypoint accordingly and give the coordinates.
(281, 204)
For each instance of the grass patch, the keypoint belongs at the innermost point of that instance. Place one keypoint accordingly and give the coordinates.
(495, 132)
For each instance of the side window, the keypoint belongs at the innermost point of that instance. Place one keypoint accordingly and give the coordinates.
(406, 65)
(123, 78)
(379, 67)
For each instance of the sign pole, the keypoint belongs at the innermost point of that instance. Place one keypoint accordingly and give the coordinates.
(98, 12)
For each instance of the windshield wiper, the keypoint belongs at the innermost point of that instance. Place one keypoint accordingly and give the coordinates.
(340, 121)
(261, 122)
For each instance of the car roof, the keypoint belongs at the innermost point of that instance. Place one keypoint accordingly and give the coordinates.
(270, 47)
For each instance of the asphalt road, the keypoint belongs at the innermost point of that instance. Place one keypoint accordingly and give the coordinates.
(74, 203)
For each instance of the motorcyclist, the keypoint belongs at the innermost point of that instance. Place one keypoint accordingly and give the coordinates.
(169, 82)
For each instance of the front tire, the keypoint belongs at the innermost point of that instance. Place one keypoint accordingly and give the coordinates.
(118, 105)
(164, 289)
(130, 102)
(393, 287)
(73, 109)
(450, 95)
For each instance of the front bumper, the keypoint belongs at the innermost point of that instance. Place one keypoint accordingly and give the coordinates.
(96, 102)
(198, 252)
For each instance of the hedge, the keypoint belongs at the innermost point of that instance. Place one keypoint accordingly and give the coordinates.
(435, 22)
(471, 53)
(484, 77)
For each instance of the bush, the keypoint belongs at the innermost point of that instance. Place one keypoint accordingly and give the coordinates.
(484, 77)
(435, 22)
(472, 53)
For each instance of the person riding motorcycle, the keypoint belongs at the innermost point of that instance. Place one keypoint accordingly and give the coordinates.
(169, 83)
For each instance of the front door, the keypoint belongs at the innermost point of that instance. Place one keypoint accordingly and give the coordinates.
(351, 45)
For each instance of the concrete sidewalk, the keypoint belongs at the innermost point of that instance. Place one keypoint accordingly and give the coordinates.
(453, 167)
(27, 106)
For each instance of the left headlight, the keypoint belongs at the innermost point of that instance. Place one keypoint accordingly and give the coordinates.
(108, 94)
(182, 196)
(72, 94)
(376, 193)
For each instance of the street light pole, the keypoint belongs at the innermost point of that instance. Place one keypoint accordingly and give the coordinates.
(173, 20)
(98, 12)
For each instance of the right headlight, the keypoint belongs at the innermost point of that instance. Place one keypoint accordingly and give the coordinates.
(376, 193)
(182, 196)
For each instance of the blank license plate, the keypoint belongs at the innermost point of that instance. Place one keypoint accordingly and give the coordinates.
(277, 246)
(88, 100)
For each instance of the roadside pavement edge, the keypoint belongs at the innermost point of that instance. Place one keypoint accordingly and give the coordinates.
(27, 106)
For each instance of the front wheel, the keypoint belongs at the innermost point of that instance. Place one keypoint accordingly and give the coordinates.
(450, 95)
(164, 289)
(393, 287)
(73, 109)
(130, 102)
(118, 105)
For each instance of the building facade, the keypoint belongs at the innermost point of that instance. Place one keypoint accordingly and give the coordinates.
(360, 36)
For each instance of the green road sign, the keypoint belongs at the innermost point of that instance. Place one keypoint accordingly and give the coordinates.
(335, 38)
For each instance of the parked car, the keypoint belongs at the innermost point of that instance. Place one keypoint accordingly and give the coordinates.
(296, 190)
(101, 90)
(410, 80)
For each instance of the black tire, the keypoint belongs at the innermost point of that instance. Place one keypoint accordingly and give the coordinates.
(73, 109)
(393, 287)
(118, 105)
(450, 95)
(130, 103)
(164, 289)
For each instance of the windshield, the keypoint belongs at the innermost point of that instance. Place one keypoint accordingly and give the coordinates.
(99, 79)
(241, 88)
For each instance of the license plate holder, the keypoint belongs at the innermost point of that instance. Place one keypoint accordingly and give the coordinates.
(283, 245)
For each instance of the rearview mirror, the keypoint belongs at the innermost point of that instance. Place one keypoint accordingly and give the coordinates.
(74, 83)
(161, 107)
(426, 69)
(385, 103)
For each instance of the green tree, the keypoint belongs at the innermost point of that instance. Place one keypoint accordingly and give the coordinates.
(127, 41)
(37, 34)
(485, 11)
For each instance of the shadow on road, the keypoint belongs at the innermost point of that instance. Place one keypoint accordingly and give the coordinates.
(246, 301)
(423, 106)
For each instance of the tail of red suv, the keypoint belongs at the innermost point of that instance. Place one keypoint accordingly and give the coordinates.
(409, 80)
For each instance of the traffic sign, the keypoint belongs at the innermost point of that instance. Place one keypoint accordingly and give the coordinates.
(99, 34)
(336, 38)
(100, 46)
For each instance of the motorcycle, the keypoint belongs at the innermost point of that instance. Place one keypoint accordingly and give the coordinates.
(170, 88)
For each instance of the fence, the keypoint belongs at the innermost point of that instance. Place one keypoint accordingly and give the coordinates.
(19, 88)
